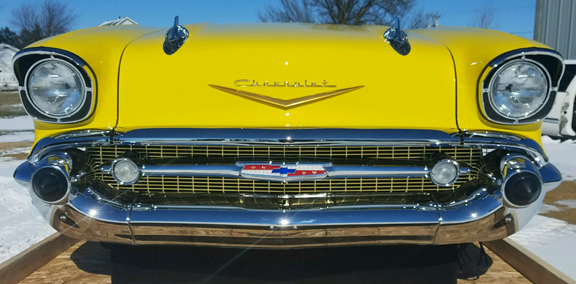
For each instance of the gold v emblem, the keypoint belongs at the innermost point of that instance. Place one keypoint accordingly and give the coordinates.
(285, 104)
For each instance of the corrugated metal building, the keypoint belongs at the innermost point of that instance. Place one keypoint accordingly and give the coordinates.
(555, 25)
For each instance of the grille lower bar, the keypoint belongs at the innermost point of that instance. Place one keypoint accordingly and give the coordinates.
(189, 184)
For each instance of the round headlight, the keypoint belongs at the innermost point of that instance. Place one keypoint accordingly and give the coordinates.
(56, 88)
(125, 171)
(518, 89)
(445, 172)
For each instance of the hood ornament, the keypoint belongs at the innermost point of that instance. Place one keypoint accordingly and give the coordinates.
(175, 38)
(397, 38)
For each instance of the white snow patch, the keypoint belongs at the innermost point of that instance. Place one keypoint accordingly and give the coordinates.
(562, 155)
(546, 208)
(552, 240)
(544, 232)
(567, 202)
(17, 123)
(13, 151)
(548, 140)
(16, 136)
(21, 225)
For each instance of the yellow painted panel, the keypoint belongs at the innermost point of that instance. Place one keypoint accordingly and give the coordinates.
(385, 89)
(102, 49)
(412, 92)
(472, 50)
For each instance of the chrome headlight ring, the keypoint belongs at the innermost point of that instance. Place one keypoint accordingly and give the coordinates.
(54, 85)
(55, 88)
(519, 88)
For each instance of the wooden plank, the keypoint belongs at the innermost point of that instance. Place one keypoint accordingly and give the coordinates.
(499, 272)
(527, 263)
(89, 262)
(25, 263)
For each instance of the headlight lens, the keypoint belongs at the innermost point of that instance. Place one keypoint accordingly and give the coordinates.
(519, 89)
(445, 172)
(125, 171)
(56, 88)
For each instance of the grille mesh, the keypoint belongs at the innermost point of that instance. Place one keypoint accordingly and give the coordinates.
(189, 184)
(178, 184)
(106, 154)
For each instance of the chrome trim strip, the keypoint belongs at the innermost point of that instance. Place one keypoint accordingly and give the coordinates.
(331, 171)
(527, 146)
(49, 51)
(377, 171)
(252, 137)
(490, 134)
(86, 133)
(235, 136)
(526, 51)
(192, 170)
(293, 137)
(47, 145)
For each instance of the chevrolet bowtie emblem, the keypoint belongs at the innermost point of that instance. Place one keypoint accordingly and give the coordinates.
(285, 104)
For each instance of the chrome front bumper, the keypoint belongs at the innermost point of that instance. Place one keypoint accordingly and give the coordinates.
(483, 216)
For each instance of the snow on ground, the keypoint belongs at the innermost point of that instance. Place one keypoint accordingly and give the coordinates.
(562, 155)
(17, 123)
(16, 136)
(553, 240)
(21, 225)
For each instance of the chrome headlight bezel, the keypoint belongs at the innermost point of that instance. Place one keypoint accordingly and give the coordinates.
(548, 62)
(26, 62)
(504, 68)
(30, 92)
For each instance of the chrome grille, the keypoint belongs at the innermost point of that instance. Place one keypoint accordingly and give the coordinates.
(106, 154)
(189, 184)
(227, 185)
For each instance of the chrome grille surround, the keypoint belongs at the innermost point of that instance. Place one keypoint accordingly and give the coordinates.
(103, 155)
(348, 146)
(478, 214)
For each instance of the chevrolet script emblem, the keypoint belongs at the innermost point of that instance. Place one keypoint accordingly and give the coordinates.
(285, 104)
(283, 172)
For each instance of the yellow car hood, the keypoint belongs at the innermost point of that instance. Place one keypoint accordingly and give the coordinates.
(286, 75)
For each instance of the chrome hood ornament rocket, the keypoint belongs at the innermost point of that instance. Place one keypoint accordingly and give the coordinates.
(175, 38)
(397, 38)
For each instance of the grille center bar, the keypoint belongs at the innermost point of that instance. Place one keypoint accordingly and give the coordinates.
(286, 173)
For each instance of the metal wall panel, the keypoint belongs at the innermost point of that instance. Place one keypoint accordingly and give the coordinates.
(555, 25)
